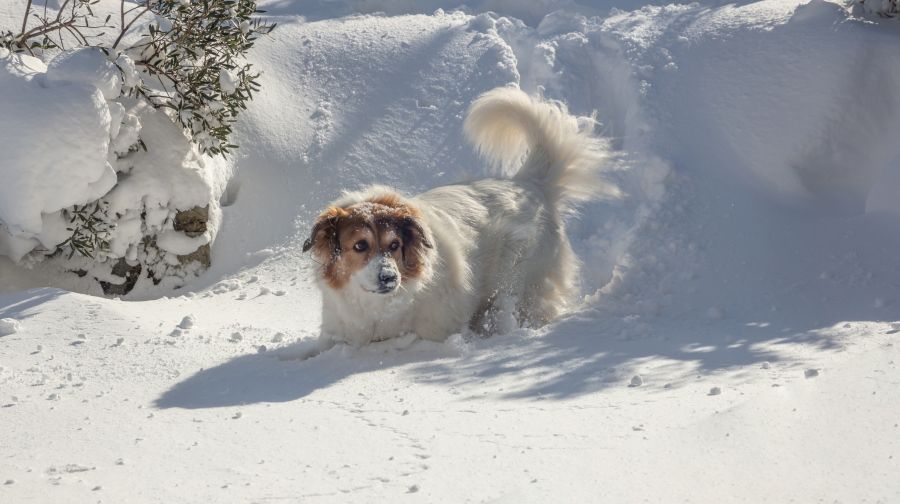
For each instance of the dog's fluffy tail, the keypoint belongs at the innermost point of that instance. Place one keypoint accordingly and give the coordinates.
(506, 125)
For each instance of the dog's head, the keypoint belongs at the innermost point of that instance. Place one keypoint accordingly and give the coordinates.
(374, 245)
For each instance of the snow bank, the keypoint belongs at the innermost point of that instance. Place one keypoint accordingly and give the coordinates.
(531, 11)
(812, 126)
(55, 150)
(668, 84)
(75, 141)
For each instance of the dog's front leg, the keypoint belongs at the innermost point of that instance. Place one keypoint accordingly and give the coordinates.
(307, 349)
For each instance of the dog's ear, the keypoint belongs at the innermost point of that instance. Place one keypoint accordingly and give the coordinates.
(324, 235)
(415, 241)
(414, 232)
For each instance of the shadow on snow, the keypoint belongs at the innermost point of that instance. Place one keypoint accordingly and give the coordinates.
(22, 305)
(574, 357)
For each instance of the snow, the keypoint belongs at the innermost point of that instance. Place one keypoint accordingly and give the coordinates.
(187, 322)
(75, 140)
(179, 243)
(71, 115)
(739, 335)
(85, 66)
(9, 326)
(227, 81)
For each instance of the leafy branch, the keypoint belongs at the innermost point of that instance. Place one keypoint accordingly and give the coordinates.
(74, 17)
(90, 229)
(189, 57)
(195, 59)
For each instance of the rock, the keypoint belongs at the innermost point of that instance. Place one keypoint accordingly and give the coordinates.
(129, 274)
(201, 255)
(192, 222)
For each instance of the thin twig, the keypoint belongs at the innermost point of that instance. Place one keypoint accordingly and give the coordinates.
(25, 17)
(42, 30)
(128, 26)
(122, 14)
(62, 7)
(77, 34)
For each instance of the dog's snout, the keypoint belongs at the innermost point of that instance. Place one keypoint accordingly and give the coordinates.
(388, 280)
(387, 277)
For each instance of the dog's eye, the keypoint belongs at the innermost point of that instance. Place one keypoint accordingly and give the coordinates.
(361, 246)
(395, 245)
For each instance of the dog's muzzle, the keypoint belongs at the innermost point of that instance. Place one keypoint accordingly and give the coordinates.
(387, 281)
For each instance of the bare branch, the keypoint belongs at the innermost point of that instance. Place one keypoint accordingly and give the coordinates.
(127, 27)
(25, 17)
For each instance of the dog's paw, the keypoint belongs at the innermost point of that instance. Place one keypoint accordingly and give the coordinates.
(305, 349)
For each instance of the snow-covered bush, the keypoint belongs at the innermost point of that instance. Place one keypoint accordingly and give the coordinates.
(187, 58)
(108, 168)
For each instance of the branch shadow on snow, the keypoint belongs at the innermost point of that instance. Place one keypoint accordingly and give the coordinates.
(582, 355)
(577, 356)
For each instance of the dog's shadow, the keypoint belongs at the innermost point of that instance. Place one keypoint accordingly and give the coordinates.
(573, 357)
(293, 372)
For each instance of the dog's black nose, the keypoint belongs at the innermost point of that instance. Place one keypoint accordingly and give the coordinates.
(387, 277)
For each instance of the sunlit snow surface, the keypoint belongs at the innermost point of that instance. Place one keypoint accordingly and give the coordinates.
(751, 279)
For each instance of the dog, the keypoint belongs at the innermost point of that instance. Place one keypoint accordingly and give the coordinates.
(488, 255)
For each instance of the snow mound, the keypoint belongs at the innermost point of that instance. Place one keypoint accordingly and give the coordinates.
(55, 151)
(817, 132)
(76, 142)
(9, 326)
(85, 66)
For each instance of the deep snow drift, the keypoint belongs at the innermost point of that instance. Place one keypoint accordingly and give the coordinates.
(738, 340)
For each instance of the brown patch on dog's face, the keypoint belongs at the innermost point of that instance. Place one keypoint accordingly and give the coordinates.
(346, 240)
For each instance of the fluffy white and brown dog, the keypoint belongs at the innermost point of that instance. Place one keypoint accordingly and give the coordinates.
(468, 254)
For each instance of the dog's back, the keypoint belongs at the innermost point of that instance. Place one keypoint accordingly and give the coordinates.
(503, 241)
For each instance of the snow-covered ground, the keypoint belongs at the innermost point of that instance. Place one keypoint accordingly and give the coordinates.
(739, 334)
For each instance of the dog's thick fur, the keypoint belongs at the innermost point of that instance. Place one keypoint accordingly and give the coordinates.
(477, 254)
